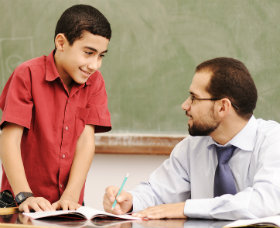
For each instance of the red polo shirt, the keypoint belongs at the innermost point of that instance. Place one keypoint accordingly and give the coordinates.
(36, 98)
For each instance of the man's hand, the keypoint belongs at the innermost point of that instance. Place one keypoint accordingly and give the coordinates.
(124, 201)
(65, 203)
(175, 210)
(36, 204)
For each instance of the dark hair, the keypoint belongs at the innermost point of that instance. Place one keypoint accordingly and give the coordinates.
(79, 18)
(231, 79)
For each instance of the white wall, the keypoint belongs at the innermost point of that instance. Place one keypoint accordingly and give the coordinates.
(110, 170)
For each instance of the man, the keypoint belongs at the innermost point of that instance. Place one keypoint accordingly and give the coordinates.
(198, 181)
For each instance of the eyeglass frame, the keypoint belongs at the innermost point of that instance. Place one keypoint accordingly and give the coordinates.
(193, 98)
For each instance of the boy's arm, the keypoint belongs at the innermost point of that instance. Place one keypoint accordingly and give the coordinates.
(82, 160)
(10, 154)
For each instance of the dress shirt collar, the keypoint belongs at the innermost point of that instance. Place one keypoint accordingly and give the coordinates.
(245, 139)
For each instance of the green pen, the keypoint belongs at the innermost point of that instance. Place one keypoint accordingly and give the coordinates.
(120, 190)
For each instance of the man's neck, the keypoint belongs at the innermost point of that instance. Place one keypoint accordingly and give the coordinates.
(228, 129)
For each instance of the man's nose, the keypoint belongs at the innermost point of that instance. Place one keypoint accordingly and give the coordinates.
(186, 104)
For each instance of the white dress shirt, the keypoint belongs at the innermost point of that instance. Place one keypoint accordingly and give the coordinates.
(188, 175)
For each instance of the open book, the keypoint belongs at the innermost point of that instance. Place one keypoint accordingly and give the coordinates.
(273, 221)
(81, 213)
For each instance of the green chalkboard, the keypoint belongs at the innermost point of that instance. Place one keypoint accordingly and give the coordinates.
(155, 46)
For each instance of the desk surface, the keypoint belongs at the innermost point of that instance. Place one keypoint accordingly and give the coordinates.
(19, 220)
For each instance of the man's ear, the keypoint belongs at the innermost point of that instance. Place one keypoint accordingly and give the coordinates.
(223, 107)
(60, 41)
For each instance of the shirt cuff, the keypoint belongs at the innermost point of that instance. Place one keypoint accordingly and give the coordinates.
(199, 208)
(136, 203)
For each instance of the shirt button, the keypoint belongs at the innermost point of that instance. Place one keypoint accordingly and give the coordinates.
(63, 155)
(66, 128)
(60, 185)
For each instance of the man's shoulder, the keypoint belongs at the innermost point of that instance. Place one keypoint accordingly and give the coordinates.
(267, 124)
(268, 127)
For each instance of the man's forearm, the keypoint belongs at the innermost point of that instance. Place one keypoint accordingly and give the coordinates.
(247, 204)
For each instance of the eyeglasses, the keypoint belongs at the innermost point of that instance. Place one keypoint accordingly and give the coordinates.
(193, 98)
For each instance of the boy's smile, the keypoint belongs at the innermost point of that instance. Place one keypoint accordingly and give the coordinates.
(77, 62)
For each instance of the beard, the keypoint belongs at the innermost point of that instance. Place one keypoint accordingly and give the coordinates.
(202, 129)
(205, 128)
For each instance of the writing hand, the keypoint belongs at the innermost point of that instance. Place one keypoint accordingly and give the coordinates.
(124, 201)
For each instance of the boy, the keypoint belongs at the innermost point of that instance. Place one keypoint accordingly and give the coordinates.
(52, 106)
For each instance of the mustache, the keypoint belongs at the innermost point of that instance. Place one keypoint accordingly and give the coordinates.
(187, 114)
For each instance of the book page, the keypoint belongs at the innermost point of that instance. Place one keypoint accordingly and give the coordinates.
(91, 213)
(47, 214)
(83, 212)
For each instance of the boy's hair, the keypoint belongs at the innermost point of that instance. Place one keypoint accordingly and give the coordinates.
(231, 79)
(79, 18)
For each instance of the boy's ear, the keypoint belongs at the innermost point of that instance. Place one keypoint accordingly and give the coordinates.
(60, 41)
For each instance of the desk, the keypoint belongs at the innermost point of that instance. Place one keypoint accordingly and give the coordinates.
(18, 220)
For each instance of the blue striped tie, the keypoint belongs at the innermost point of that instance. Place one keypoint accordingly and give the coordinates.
(224, 181)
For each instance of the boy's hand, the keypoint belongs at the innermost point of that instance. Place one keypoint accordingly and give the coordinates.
(65, 204)
(124, 201)
(36, 204)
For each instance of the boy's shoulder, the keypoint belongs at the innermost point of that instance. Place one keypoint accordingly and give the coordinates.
(38, 61)
(31, 69)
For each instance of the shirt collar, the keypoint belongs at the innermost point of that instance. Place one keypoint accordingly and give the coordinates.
(51, 71)
(245, 139)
